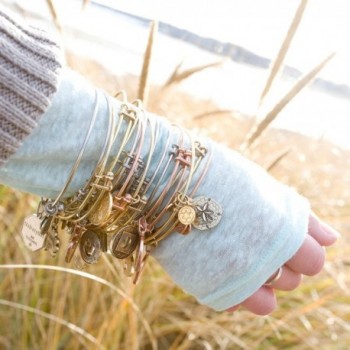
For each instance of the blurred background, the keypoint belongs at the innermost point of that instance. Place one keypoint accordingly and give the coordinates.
(260, 77)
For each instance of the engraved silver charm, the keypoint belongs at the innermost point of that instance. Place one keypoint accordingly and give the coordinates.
(90, 247)
(124, 242)
(208, 213)
(31, 233)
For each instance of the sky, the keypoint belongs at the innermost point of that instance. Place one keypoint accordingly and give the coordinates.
(260, 25)
(118, 43)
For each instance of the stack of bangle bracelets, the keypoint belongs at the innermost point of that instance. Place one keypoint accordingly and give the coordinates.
(127, 206)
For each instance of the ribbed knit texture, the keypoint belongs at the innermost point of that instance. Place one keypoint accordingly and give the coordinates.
(29, 71)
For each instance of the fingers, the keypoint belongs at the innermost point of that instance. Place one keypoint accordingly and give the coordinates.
(309, 259)
(321, 232)
(289, 280)
(262, 302)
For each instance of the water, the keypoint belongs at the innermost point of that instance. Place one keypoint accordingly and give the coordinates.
(119, 42)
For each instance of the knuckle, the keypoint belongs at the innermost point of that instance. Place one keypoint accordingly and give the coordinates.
(294, 282)
(317, 263)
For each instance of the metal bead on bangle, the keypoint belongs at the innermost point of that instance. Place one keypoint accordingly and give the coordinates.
(275, 278)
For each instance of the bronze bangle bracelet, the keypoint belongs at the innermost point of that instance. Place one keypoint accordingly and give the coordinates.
(135, 197)
(162, 232)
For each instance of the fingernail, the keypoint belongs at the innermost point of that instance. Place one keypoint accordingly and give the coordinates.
(330, 231)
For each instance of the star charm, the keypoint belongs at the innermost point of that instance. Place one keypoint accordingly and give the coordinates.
(205, 212)
(208, 212)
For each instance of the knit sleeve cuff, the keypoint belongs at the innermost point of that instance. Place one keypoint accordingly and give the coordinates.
(30, 65)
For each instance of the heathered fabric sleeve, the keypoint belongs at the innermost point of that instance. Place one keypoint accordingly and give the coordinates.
(30, 64)
(263, 224)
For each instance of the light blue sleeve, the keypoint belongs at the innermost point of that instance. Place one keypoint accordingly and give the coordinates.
(263, 224)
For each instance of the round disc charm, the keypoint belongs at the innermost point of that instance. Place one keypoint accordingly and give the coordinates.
(90, 247)
(102, 211)
(186, 215)
(124, 242)
(208, 213)
(31, 233)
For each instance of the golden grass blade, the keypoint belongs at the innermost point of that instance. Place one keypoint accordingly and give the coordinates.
(175, 72)
(295, 314)
(177, 76)
(96, 279)
(73, 272)
(278, 63)
(74, 328)
(147, 59)
(211, 113)
(278, 159)
(84, 4)
(54, 14)
(258, 130)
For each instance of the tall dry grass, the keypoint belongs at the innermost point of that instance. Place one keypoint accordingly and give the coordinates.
(256, 132)
(146, 65)
(277, 65)
(179, 75)
(46, 305)
(55, 17)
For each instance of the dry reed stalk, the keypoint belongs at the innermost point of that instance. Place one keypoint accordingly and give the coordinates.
(127, 299)
(258, 130)
(211, 113)
(84, 4)
(278, 62)
(74, 328)
(52, 8)
(134, 341)
(177, 76)
(178, 340)
(147, 59)
(219, 330)
(297, 313)
(278, 159)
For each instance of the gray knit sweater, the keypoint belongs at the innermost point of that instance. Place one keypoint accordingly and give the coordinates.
(29, 73)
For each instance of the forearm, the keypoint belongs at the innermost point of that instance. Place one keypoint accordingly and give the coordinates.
(263, 222)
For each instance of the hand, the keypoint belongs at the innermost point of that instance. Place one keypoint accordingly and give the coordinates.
(308, 260)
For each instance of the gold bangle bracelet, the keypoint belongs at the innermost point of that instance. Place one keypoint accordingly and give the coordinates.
(134, 198)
